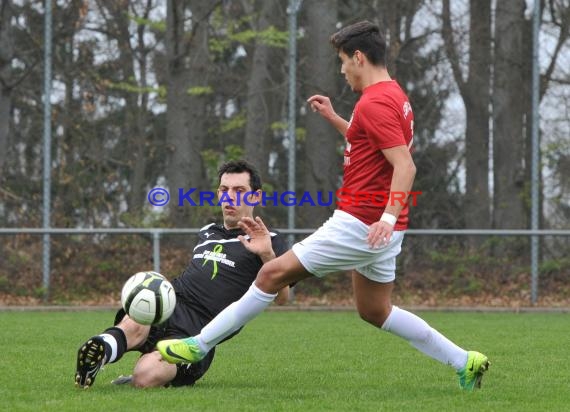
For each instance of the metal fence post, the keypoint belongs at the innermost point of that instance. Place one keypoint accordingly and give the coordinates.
(47, 147)
(292, 10)
(535, 166)
(156, 250)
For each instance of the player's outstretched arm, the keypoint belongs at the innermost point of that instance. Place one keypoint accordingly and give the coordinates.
(323, 105)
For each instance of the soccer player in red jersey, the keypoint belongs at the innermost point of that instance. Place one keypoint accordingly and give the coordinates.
(361, 236)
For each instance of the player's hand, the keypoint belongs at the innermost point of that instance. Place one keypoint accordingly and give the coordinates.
(259, 241)
(379, 234)
(322, 105)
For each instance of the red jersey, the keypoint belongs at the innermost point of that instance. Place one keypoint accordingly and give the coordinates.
(382, 118)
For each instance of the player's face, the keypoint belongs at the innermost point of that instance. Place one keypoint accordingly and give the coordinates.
(349, 67)
(236, 198)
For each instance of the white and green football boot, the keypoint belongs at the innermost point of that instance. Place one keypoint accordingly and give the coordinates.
(180, 350)
(471, 374)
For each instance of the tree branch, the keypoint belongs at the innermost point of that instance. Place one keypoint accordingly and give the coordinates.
(562, 37)
(450, 49)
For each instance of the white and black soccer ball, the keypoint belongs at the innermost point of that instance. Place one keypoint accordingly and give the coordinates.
(148, 298)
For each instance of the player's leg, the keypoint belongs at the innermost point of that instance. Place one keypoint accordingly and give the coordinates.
(152, 371)
(374, 306)
(108, 347)
(373, 300)
(273, 276)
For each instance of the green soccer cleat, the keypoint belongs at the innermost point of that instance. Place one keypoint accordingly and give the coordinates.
(90, 360)
(471, 374)
(180, 350)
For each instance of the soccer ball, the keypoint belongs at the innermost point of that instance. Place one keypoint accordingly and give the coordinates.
(148, 298)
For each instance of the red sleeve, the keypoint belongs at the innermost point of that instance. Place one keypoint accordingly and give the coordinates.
(381, 122)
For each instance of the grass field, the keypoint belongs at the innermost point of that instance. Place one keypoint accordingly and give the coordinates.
(299, 361)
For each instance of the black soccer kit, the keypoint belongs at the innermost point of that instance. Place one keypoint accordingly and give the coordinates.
(221, 270)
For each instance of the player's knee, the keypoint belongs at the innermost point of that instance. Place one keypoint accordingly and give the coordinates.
(142, 380)
(269, 278)
(374, 316)
(143, 373)
(150, 372)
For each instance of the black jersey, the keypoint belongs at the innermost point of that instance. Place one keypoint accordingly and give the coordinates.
(221, 269)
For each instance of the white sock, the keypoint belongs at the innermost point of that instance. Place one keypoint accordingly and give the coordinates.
(251, 304)
(424, 338)
(112, 342)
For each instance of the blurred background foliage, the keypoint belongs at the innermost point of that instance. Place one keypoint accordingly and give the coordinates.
(161, 92)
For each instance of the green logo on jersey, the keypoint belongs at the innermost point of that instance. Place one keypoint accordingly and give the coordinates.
(214, 256)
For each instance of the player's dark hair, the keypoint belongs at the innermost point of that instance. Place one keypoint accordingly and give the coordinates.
(364, 36)
(240, 166)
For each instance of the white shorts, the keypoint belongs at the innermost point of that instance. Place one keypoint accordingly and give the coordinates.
(340, 244)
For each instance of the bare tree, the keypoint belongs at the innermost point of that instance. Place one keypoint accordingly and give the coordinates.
(187, 91)
(555, 20)
(320, 74)
(474, 88)
(262, 89)
(67, 69)
(6, 55)
(136, 124)
(508, 115)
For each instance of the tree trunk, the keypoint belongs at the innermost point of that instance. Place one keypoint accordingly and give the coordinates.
(475, 91)
(527, 90)
(188, 62)
(6, 55)
(477, 98)
(509, 110)
(258, 133)
(135, 127)
(67, 189)
(320, 72)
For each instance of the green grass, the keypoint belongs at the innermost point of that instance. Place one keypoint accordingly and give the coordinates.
(299, 361)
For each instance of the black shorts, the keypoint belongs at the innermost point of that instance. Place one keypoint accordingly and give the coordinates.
(185, 321)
